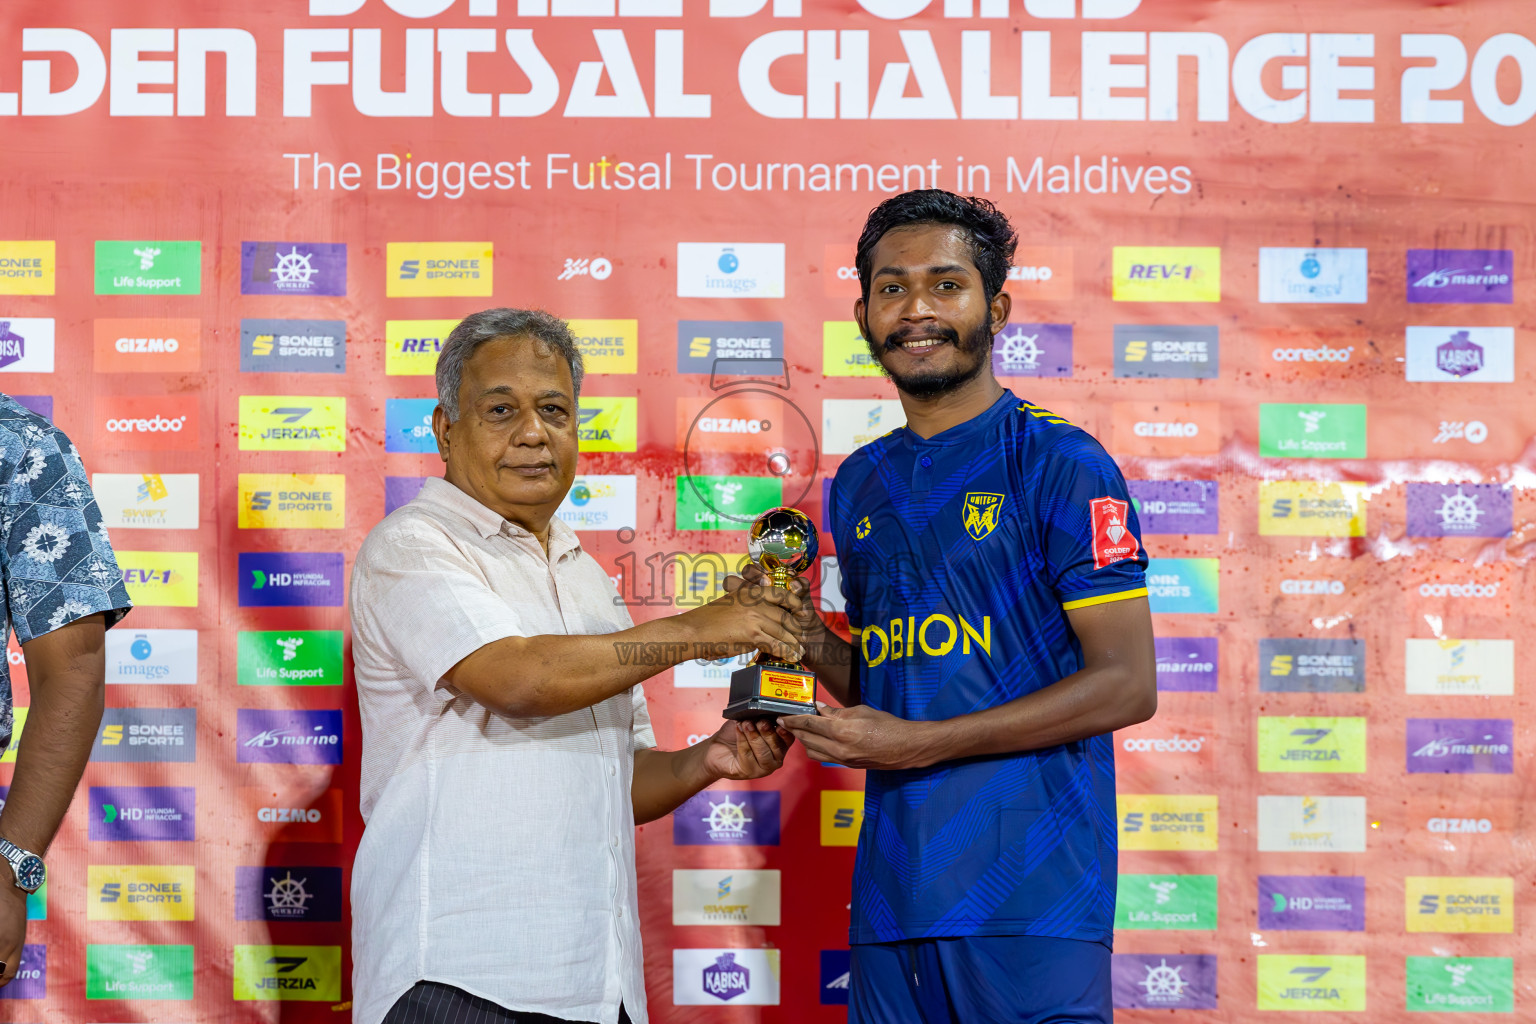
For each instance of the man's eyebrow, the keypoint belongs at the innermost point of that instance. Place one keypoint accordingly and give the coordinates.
(551, 394)
(506, 389)
(944, 268)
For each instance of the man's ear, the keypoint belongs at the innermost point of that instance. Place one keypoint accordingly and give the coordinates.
(999, 309)
(440, 427)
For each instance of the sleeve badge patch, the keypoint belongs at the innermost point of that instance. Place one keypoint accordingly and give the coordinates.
(1112, 538)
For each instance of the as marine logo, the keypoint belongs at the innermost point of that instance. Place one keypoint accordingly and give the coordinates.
(1112, 540)
(980, 513)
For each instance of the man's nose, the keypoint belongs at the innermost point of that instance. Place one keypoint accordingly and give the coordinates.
(530, 429)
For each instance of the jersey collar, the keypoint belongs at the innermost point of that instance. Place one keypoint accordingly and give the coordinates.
(963, 433)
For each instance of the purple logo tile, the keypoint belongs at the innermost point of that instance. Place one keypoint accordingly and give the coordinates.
(1158, 981)
(826, 506)
(401, 490)
(1311, 903)
(293, 268)
(40, 404)
(1461, 746)
(31, 980)
(1033, 350)
(725, 979)
(1460, 510)
(13, 346)
(288, 894)
(291, 580)
(1175, 506)
(1461, 275)
(288, 737)
(1186, 664)
(728, 817)
(143, 813)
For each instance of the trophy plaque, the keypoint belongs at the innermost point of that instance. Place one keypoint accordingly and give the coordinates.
(783, 543)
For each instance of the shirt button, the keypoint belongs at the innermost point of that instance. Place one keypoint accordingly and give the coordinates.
(926, 462)
(612, 770)
(614, 842)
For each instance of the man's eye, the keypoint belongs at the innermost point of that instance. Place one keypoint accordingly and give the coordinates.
(500, 410)
(554, 410)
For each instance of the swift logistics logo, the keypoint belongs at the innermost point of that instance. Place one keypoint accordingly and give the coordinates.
(297, 973)
(1313, 275)
(1312, 824)
(1167, 274)
(1312, 903)
(1459, 905)
(146, 734)
(711, 977)
(156, 345)
(143, 813)
(1184, 585)
(842, 816)
(289, 657)
(730, 347)
(1186, 664)
(730, 270)
(1159, 981)
(608, 424)
(147, 423)
(424, 269)
(1311, 983)
(294, 346)
(293, 268)
(147, 501)
(1321, 431)
(1460, 510)
(725, 896)
(164, 656)
(1176, 506)
(291, 579)
(1307, 508)
(1311, 744)
(1189, 353)
(411, 347)
(851, 423)
(160, 579)
(728, 817)
(271, 501)
(1460, 355)
(1307, 665)
(138, 972)
(1167, 821)
(1461, 275)
(149, 268)
(844, 352)
(600, 502)
(287, 736)
(1032, 350)
(286, 893)
(26, 345)
(140, 893)
(1166, 903)
(608, 346)
(1467, 984)
(27, 268)
(293, 423)
(1474, 668)
(1461, 746)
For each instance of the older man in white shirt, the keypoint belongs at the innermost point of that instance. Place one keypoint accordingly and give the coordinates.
(507, 753)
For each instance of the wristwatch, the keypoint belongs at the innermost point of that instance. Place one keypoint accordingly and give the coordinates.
(27, 867)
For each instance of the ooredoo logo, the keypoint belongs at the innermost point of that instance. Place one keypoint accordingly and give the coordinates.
(147, 423)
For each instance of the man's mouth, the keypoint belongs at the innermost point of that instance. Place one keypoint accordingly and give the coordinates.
(532, 468)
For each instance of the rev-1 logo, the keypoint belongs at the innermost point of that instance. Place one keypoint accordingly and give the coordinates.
(1161, 272)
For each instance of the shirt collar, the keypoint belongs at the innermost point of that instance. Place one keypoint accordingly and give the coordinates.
(961, 433)
(488, 523)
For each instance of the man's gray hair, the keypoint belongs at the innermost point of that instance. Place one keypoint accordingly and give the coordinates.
(488, 324)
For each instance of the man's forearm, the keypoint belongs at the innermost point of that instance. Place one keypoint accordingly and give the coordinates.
(831, 658)
(61, 726)
(664, 779)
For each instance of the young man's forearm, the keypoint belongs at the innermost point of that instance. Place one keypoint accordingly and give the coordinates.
(831, 658)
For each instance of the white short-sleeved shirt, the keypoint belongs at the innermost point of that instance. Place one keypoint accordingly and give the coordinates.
(499, 852)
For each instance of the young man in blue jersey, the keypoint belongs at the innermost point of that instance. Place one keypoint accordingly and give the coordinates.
(994, 577)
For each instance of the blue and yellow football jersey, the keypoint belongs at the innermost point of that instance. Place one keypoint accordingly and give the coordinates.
(960, 556)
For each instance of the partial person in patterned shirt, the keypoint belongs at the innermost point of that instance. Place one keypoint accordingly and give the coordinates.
(62, 590)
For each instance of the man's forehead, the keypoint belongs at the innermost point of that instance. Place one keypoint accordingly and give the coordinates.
(913, 248)
(517, 361)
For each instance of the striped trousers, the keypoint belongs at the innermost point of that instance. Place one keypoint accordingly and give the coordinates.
(431, 1002)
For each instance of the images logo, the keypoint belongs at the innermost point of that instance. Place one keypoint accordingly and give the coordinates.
(844, 353)
(1297, 665)
(138, 972)
(1452, 355)
(1471, 984)
(725, 896)
(1313, 275)
(288, 737)
(728, 817)
(148, 346)
(295, 346)
(1460, 510)
(1312, 903)
(292, 423)
(287, 894)
(1167, 274)
(1308, 824)
(27, 268)
(1312, 983)
(1289, 431)
(166, 656)
(1184, 585)
(293, 817)
(290, 580)
(160, 579)
(608, 424)
(1166, 903)
(411, 347)
(270, 501)
(716, 270)
(134, 893)
(850, 423)
(1461, 746)
(1167, 822)
(26, 345)
(293, 268)
(142, 813)
(299, 973)
(421, 269)
(1311, 744)
(147, 501)
(1032, 350)
(289, 657)
(1167, 429)
(1175, 506)
(600, 502)
(1460, 905)
(1461, 275)
(725, 502)
(1305, 508)
(1186, 664)
(740, 977)
(147, 734)
(149, 268)
(842, 816)
(1192, 353)
(1479, 668)
(1157, 981)
(608, 346)
(729, 346)
(147, 423)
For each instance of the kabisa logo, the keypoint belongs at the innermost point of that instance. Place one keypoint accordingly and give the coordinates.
(26, 345)
(293, 268)
(293, 423)
(288, 894)
(27, 268)
(1317, 903)
(1191, 353)
(135, 893)
(288, 737)
(1167, 274)
(1475, 984)
(1306, 665)
(1481, 668)
(842, 816)
(714, 270)
(1167, 822)
(302, 973)
(138, 972)
(1166, 902)
(740, 977)
(598, 268)
(161, 579)
(289, 657)
(295, 346)
(142, 814)
(147, 734)
(411, 347)
(1334, 745)
(1175, 506)
(1305, 508)
(1313, 275)
(1470, 355)
(421, 269)
(165, 656)
(1311, 983)
(1459, 905)
(408, 425)
(1483, 746)
(608, 346)
(1460, 510)
(728, 818)
(149, 268)
(285, 500)
(1157, 981)
(1033, 350)
(730, 347)
(608, 424)
(143, 423)
(1461, 275)
(725, 979)
(290, 580)
(1303, 824)
(1186, 663)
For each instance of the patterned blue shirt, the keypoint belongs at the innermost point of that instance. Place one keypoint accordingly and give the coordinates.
(960, 556)
(56, 564)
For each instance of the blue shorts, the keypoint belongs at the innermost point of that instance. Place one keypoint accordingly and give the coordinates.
(990, 979)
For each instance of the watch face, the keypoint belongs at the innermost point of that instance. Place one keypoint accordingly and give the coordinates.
(30, 874)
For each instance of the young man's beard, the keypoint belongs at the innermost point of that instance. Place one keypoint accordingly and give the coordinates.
(977, 346)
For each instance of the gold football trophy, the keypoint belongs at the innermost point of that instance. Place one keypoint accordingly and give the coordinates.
(783, 543)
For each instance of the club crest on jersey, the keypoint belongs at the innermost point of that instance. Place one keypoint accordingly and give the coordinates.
(980, 512)
(1113, 540)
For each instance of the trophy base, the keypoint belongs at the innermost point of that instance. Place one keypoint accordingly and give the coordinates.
(768, 691)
